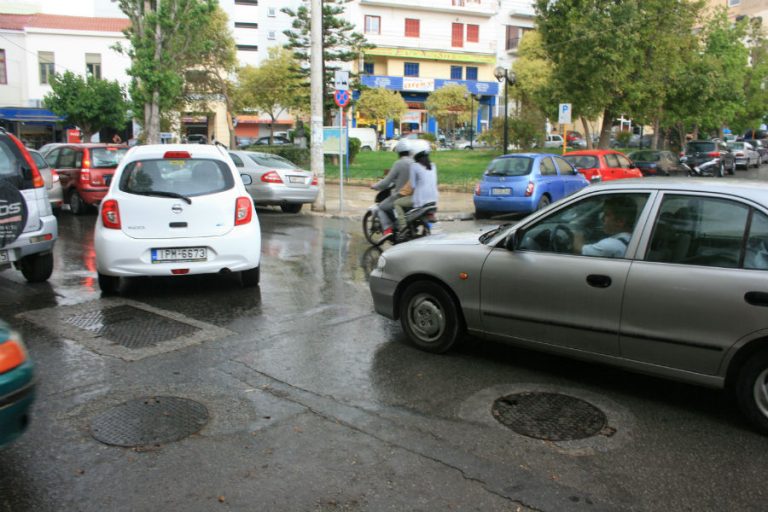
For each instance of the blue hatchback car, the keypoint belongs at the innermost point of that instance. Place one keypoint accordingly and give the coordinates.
(17, 385)
(525, 182)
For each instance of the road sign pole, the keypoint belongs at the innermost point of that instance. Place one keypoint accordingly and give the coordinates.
(341, 162)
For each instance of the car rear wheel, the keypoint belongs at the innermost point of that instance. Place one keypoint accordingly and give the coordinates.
(429, 317)
(37, 268)
(109, 285)
(76, 204)
(721, 171)
(250, 277)
(291, 207)
(752, 390)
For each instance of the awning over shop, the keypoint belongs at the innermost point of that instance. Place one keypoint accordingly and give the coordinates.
(36, 115)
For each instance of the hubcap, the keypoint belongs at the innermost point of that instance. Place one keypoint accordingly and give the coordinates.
(426, 318)
(761, 392)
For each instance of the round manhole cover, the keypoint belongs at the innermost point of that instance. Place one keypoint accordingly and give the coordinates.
(149, 421)
(549, 416)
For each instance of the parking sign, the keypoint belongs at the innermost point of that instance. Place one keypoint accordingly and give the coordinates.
(565, 114)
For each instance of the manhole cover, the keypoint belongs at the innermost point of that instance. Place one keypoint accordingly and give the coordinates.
(149, 421)
(549, 416)
(131, 327)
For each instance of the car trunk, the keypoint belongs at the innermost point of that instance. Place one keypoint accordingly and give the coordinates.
(171, 218)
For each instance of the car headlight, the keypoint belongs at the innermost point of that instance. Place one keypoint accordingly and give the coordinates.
(381, 263)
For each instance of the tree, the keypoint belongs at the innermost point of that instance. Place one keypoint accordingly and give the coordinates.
(165, 41)
(90, 103)
(272, 87)
(340, 43)
(450, 105)
(755, 90)
(380, 104)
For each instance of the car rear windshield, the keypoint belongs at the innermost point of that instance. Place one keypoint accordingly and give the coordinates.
(274, 161)
(645, 156)
(183, 176)
(520, 166)
(700, 147)
(736, 145)
(582, 161)
(105, 158)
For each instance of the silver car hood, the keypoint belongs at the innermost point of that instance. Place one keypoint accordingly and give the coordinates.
(442, 239)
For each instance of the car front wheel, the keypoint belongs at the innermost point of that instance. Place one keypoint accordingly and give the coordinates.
(429, 317)
(37, 268)
(76, 204)
(291, 207)
(752, 390)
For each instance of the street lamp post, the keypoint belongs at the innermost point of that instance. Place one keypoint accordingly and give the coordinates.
(502, 74)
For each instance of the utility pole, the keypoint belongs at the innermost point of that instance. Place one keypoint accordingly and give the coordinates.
(316, 89)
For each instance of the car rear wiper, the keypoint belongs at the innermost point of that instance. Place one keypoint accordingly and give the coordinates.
(162, 193)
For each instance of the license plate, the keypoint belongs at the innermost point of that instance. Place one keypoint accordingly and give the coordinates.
(296, 179)
(501, 191)
(4, 257)
(179, 254)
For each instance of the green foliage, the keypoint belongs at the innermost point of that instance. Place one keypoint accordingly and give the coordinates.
(450, 105)
(623, 138)
(524, 130)
(354, 148)
(89, 103)
(381, 104)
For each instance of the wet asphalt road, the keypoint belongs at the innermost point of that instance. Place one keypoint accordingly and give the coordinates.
(316, 403)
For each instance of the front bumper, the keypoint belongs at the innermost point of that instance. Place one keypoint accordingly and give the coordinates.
(383, 293)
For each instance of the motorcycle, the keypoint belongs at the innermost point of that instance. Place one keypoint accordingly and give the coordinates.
(708, 168)
(418, 222)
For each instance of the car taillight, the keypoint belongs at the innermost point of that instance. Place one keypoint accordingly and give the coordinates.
(175, 155)
(271, 177)
(85, 171)
(11, 355)
(110, 214)
(314, 180)
(529, 189)
(714, 154)
(243, 210)
(477, 189)
(54, 176)
(37, 178)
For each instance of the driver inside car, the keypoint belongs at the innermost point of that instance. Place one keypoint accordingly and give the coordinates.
(619, 213)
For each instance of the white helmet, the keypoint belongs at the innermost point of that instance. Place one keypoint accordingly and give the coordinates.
(403, 146)
(420, 146)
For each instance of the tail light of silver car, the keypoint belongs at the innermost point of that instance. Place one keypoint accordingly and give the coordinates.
(314, 180)
(243, 210)
(271, 177)
(110, 214)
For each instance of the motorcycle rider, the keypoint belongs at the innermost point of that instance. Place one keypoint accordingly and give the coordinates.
(398, 176)
(423, 180)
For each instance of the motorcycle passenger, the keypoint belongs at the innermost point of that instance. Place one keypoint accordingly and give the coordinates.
(423, 180)
(397, 176)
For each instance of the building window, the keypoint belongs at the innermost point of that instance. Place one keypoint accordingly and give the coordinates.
(368, 68)
(93, 65)
(372, 24)
(247, 47)
(473, 33)
(514, 34)
(271, 35)
(240, 24)
(45, 60)
(3, 72)
(471, 73)
(271, 12)
(411, 69)
(457, 73)
(411, 27)
(457, 35)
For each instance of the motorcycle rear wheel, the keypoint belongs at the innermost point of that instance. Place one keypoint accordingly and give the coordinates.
(372, 229)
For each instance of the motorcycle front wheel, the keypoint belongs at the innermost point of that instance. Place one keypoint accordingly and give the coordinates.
(372, 229)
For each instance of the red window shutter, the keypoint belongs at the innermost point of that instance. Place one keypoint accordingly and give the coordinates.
(457, 35)
(473, 33)
(411, 27)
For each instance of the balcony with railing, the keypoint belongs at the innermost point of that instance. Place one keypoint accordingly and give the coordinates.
(474, 7)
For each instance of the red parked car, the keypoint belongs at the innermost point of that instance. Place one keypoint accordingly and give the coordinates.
(602, 164)
(85, 171)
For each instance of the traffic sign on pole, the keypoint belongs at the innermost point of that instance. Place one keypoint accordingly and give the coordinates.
(341, 80)
(565, 114)
(341, 98)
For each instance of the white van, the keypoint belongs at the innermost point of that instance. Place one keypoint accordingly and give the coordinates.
(367, 137)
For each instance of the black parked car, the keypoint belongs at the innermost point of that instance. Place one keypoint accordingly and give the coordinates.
(710, 154)
(652, 162)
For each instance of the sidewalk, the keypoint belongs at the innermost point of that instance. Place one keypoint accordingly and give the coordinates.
(451, 205)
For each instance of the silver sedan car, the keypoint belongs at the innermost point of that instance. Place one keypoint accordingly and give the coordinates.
(51, 179)
(667, 277)
(276, 181)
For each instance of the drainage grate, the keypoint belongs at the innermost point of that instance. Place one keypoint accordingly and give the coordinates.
(549, 416)
(131, 327)
(149, 421)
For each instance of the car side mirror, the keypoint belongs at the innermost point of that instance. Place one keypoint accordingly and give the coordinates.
(247, 180)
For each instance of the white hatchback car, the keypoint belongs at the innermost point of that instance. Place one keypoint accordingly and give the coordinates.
(177, 209)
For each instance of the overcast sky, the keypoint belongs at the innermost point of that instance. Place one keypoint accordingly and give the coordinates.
(98, 8)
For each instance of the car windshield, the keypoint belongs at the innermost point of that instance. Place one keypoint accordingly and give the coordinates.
(700, 147)
(104, 158)
(176, 177)
(582, 161)
(274, 161)
(518, 166)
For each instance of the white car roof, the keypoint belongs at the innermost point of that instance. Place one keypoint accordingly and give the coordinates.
(159, 150)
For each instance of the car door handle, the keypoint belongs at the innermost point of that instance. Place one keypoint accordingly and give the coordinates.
(756, 298)
(598, 281)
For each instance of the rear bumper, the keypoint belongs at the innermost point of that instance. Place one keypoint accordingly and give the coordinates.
(504, 204)
(282, 195)
(92, 196)
(31, 242)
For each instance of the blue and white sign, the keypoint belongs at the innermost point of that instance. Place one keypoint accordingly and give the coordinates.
(565, 114)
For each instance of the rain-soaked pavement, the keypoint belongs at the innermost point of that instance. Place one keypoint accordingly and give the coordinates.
(301, 398)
